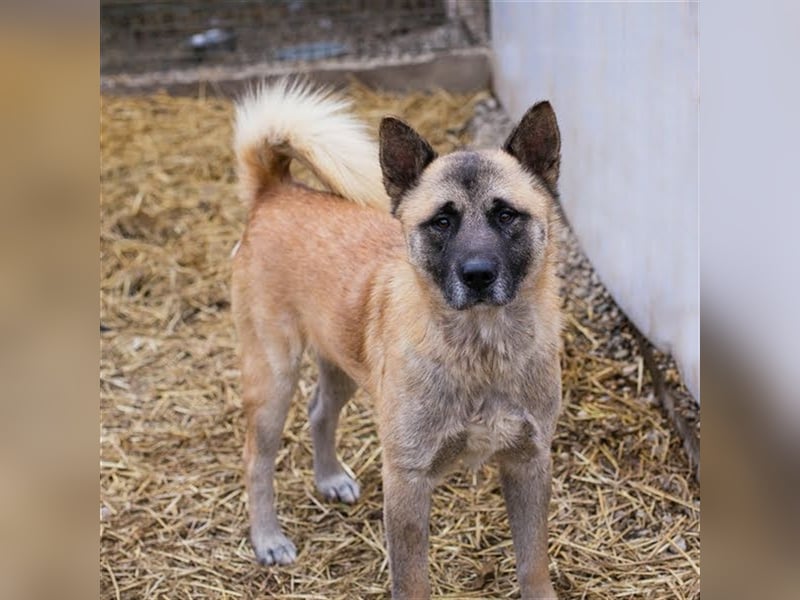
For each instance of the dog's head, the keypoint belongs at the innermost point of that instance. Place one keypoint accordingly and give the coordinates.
(476, 223)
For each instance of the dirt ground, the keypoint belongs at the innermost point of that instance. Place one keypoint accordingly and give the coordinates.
(624, 520)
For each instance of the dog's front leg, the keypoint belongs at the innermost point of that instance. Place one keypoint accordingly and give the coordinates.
(406, 511)
(526, 489)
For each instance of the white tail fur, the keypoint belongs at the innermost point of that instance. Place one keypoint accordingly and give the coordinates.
(292, 119)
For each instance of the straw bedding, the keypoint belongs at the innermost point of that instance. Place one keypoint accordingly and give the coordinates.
(625, 509)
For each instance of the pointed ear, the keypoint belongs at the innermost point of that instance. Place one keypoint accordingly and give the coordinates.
(404, 155)
(536, 143)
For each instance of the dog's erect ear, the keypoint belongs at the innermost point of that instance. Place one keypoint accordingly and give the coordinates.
(536, 143)
(404, 155)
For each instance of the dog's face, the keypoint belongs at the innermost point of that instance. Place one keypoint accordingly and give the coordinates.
(476, 223)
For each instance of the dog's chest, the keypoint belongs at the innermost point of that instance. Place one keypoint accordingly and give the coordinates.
(469, 435)
(468, 401)
(504, 429)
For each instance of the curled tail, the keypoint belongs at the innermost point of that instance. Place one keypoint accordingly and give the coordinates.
(288, 120)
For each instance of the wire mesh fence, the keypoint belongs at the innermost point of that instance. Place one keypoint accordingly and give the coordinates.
(138, 36)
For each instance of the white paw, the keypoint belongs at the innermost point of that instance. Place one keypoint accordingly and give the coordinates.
(339, 487)
(275, 549)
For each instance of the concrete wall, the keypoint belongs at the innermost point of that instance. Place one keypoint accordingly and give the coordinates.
(458, 71)
(623, 79)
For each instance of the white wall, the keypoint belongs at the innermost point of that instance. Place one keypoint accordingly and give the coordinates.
(623, 79)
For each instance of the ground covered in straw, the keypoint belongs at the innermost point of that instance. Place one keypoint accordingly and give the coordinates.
(625, 509)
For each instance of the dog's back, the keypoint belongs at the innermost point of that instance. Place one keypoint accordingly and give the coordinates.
(307, 255)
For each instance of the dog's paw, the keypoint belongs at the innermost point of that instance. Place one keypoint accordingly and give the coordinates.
(339, 488)
(541, 592)
(275, 549)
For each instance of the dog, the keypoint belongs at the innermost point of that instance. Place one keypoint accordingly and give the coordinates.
(430, 281)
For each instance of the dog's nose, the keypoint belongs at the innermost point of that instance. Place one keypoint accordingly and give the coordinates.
(478, 273)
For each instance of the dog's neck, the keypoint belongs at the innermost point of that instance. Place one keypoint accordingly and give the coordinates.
(486, 344)
(486, 325)
(482, 329)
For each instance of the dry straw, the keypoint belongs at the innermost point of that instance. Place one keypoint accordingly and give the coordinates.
(625, 510)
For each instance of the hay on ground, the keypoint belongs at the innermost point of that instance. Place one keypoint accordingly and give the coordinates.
(625, 509)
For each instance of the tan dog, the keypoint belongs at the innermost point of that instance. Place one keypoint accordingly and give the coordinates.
(440, 300)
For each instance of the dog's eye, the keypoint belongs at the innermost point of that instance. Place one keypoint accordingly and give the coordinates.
(506, 216)
(441, 223)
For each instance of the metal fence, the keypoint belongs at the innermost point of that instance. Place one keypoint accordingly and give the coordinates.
(138, 37)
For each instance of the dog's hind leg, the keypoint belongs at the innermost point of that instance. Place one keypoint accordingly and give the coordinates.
(333, 390)
(270, 368)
